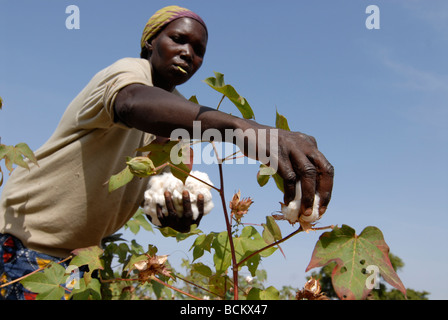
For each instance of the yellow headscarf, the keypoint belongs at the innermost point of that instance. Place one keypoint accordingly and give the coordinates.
(164, 16)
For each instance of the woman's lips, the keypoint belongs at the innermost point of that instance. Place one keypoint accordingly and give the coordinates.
(181, 69)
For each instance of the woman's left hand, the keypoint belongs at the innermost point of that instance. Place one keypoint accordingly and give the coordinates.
(181, 222)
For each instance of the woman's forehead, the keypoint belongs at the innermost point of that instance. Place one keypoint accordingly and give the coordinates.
(188, 26)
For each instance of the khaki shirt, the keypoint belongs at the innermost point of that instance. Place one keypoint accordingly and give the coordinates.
(64, 204)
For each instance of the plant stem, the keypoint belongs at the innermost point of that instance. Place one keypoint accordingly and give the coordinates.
(175, 289)
(198, 286)
(271, 245)
(219, 104)
(228, 224)
(33, 272)
(279, 241)
(155, 279)
(183, 171)
(229, 234)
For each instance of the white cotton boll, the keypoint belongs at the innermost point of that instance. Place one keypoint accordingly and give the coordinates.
(291, 212)
(158, 184)
(208, 206)
(177, 199)
(315, 214)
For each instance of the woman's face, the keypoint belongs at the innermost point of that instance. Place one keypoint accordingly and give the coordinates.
(182, 43)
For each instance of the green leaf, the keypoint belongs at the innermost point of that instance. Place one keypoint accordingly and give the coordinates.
(15, 155)
(88, 256)
(158, 148)
(159, 154)
(240, 102)
(194, 99)
(202, 269)
(265, 173)
(262, 179)
(162, 153)
(3, 151)
(353, 255)
(138, 221)
(120, 179)
(270, 293)
(122, 251)
(281, 122)
(203, 242)
(92, 291)
(47, 284)
(181, 171)
(252, 241)
(218, 285)
(159, 290)
(279, 182)
(170, 232)
(271, 230)
(152, 250)
(112, 238)
(184, 162)
(249, 242)
(222, 257)
(25, 150)
(135, 247)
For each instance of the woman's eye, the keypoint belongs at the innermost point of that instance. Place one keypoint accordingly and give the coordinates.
(200, 51)
(178, 39)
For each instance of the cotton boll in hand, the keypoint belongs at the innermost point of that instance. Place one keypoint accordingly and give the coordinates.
(158, 184)
(291, 211)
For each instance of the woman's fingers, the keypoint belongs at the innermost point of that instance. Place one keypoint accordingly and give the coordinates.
(169, 202)
(325, 180)
(300, 160)
(200, 205)
(180, 221)
(186, 205)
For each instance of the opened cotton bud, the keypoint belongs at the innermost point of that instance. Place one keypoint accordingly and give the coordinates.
(141, 167)
(311, 291)
(158, 184)
(238, 206)
(291, 211)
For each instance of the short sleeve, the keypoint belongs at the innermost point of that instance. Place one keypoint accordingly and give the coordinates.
(98, 102)
(121, 74)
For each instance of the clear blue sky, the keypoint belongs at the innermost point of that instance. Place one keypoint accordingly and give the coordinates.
(376, 101)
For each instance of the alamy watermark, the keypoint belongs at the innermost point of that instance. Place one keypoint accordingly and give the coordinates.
(373, 20)
(372, 281)
(72, 281)
(73, 21)
(257, 144)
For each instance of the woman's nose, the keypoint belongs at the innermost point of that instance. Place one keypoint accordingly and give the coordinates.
(187, 53)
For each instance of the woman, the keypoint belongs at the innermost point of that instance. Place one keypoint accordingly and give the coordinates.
(64, 203)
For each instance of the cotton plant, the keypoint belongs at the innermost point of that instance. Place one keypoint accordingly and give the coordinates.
(242, 244)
